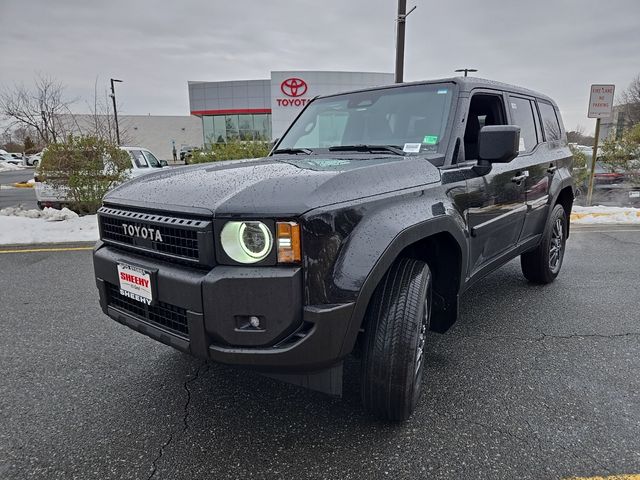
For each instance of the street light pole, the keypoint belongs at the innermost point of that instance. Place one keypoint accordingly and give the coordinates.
(466, 70)
(400, 28)
(115, 110)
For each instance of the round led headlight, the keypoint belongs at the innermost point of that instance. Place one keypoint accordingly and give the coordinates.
(246, 242)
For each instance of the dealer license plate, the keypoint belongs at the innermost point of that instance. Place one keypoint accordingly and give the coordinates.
(635, 194)
(135, 283)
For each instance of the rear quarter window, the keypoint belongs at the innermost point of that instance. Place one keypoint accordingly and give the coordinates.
(550, 122)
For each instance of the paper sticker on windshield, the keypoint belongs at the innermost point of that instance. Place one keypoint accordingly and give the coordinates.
(411, 148)
(430, 139)
(442, 91)
(521, 147)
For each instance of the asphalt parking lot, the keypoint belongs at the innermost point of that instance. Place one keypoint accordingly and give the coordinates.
(11, 196)
(531, 383)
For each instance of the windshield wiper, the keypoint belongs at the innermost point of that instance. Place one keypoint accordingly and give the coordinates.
(367, 148)
(294, 151)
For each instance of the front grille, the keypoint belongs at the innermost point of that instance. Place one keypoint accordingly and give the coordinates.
(178, 239)
(164, 315)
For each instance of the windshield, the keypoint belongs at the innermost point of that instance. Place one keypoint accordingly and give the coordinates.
(412, 118)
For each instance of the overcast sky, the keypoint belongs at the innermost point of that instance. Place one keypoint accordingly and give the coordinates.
(558, 47)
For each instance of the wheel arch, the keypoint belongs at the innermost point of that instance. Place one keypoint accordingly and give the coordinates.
(441, 243)
(565, 197)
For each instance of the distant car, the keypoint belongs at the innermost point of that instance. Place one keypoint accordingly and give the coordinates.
(604, 175)
(33, 160)
(9, 158)
(142, 162)
(187, 152)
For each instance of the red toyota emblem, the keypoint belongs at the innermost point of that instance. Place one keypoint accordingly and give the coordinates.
(294, 87)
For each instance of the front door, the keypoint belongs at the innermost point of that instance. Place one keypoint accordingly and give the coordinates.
(495, 202)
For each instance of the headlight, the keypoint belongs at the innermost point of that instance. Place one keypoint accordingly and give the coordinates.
(246, 242)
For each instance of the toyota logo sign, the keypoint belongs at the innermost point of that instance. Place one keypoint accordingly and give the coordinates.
(294, 87)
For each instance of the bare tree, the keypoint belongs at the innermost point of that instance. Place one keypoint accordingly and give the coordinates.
(630, 102)
(98, 123)
(38, 109)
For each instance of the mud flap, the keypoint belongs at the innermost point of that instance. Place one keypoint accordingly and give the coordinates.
(444, 312)
(327, 381)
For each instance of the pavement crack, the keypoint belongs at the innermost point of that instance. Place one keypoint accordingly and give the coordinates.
(201, 369)
(185, 417)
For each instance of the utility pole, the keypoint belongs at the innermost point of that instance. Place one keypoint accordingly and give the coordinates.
(400, 28)
(466, 70)
(115, 110)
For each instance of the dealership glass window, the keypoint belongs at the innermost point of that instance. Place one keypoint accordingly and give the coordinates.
(231, 122)
(262, 126)
(219, 129)
(245, 127)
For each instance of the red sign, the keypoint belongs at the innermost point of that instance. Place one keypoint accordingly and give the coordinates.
(293, 87)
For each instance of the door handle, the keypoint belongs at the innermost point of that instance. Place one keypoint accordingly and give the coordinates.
(520, 177)
(552, 169)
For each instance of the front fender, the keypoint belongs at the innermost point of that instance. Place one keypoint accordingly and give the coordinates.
(361, 242)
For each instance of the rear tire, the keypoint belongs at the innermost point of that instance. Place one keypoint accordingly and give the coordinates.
(397, 321)
(543, 264)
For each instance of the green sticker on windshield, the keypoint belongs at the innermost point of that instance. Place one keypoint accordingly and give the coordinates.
(430, 139)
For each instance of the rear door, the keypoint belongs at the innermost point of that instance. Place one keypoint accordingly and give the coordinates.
(523, 112)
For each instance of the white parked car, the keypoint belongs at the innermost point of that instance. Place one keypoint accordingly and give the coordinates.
(142, 163)
(9, 158)
(33, 160)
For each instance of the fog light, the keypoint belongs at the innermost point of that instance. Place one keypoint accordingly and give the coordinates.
(254, 322)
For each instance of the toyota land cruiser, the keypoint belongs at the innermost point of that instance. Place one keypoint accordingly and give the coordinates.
(371, 216)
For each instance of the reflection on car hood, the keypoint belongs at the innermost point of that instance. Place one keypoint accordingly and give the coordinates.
(273, 186)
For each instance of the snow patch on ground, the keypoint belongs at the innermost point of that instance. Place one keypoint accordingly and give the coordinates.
(605, 215)
(8, 167)
(19, 226)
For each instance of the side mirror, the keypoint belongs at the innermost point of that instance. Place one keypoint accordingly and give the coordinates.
(164, 163)
(498, 144)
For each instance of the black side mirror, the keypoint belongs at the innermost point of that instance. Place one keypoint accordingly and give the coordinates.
(164, 163)
(498, 143)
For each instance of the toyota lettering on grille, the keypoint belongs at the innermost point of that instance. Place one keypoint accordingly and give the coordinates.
(142, 232)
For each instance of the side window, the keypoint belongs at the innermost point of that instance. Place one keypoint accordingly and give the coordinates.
(522, 115)
(550, 123)
(484, 109)
(138, 158)
(151, 159)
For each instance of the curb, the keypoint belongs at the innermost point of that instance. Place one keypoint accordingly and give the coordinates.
(604, 218)
(22, 185)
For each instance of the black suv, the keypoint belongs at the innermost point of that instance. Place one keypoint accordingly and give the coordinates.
(360, 231)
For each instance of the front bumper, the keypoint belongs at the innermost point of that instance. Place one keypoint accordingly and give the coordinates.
(212, 308)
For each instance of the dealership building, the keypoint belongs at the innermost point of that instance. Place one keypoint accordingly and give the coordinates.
(263, 109)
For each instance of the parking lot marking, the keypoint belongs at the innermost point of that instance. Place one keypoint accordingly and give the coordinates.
(629, 476)
(57, 249)
(615, 230)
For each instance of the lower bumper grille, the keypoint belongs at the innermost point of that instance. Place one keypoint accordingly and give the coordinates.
(163, 315)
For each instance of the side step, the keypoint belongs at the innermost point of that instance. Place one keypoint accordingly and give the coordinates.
(327, 381)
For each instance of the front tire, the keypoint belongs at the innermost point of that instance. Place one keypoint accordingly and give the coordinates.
(397, 322)
(543, 264)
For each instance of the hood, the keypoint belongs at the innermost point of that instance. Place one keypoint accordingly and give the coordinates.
(273, 186)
